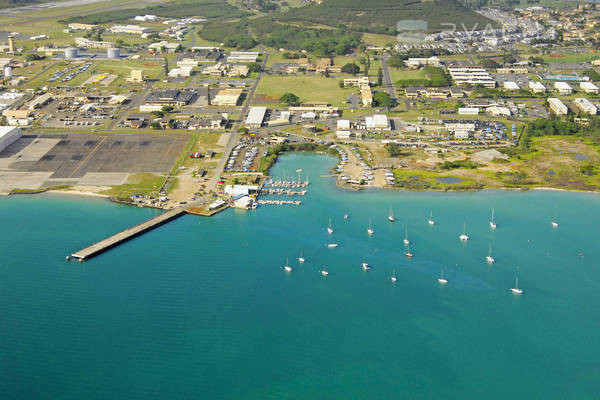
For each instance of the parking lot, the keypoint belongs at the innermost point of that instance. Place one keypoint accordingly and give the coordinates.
(87, 159)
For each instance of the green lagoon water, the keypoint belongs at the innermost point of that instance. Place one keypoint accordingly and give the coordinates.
(201, 309)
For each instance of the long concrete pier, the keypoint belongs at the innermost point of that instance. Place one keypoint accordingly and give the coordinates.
(128, 234)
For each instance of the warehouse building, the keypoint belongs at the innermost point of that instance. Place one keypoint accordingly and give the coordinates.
(256, 116)
(8, 135)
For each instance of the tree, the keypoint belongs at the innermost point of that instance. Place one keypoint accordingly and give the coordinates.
(489, 63)
(367, 65)
(382, 99)
(158, 114)
(254, 67)
(167, 109)
(166, 65)
(290, 99)
(380, 77)
(351, 68)
(395, 62)
(341, 84)
(155, 125)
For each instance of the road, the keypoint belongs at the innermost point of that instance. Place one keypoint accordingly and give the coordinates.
(387, 80)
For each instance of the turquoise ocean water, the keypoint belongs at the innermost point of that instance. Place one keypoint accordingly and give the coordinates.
(201, 309)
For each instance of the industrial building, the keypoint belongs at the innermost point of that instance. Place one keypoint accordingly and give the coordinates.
(169, 97)
(588, 87)
(557, 106)
(93, 44)
(136, 76)
(563, 88)
(377, 122)
(227, 97)
(243, 56)
(509, 85)
(8, 135)
(468, 111)
(586, 106)
(83, 27)
(130, 29)
(40, 101)
(256, 116)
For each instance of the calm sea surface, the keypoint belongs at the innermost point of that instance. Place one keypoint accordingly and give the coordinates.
(201, 309)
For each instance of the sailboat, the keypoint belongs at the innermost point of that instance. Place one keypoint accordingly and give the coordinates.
(430, 221)
(370, 230)
(329, 228)
(346, 217)
(393, 277)
(391, 215)
(441, 279)
(301, 258)
(489, 257)
(492, 222)
(464, 236)
(408, 253)
(287, 267)
(366, 266)
(406, 241)
(516, 289)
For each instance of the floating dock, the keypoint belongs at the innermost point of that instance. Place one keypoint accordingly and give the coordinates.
(128, 234)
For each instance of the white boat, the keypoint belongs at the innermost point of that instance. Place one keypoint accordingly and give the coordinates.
(370, 230)
(489, 257)
(366, 266)
(492, 222)
(408, 253)
(406, 241)
(346, 217)
(287, 267)
(430, 221)
(441, 279)
(299, 170)
(324, 273)
(464, 237)
(516, 289)
(391, 215)
(554, 224)
(393, 277)
(332, 245)
(329, 228)
(301, 258)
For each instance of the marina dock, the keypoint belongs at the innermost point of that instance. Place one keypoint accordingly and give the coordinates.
(128, 234)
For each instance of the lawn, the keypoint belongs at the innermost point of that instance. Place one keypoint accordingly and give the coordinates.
(397, 74)
(307, 87)
(570, 57)
(140, 183)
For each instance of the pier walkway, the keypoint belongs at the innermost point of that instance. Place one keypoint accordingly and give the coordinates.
(128, 234)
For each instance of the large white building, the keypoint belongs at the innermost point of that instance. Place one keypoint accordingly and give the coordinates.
(8, 135)
(471, 76)
(563, 88)
(256, 116)
(537, 87)
(588, 87)
(377, 122)
(510, 85)
(557, 106)
(130, 29)
(586, 106)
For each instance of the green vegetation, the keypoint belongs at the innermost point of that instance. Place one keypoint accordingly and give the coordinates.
(232, 34)
(290, 99)
(381, 16)
(351, 68)
(211, 9)
(382, 99)
(436, 77)
(428, 180)
(141, 183)
(448, 165)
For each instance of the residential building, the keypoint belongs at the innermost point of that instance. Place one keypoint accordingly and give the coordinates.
(366, 96)
(471, 76)
(537, 87)
(82, 27)
(422, 62)
(557, 106)
(362, 81)
(509, 85)
(563, 88)
(512, 70)
(588, 87)
(586, 106)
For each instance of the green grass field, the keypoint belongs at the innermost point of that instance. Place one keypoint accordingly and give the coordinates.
(307, 87)
(570, 57)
